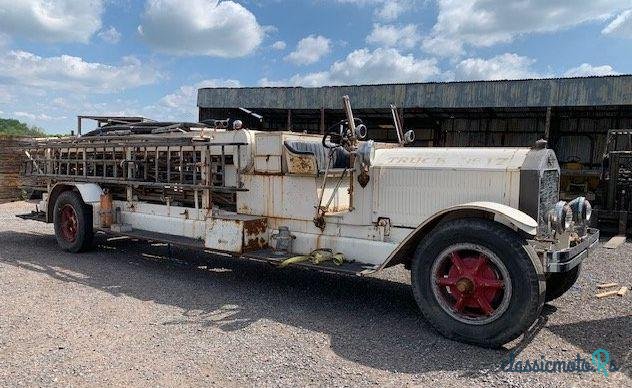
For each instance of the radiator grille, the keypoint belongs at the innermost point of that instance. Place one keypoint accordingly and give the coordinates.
(549, 195)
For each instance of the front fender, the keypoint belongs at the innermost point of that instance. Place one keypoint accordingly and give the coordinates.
(503, 214)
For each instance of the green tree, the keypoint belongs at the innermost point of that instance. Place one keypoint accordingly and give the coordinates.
(11, 127)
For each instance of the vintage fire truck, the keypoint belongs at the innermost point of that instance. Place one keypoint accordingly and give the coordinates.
(482, 230)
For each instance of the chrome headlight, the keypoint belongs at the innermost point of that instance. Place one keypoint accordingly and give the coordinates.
(582, 210)
(561, 217)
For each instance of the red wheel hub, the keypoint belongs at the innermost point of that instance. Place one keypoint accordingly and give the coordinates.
(469, 283)
(69, 223)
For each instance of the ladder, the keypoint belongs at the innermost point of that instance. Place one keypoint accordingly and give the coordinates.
(152, 162)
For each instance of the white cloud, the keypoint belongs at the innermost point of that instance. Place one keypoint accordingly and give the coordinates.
(586, 70)
(110, 35)
(73, 73)
(394, 36)
(505, 66)
(279, 45)
(382, 65)
(38, 116)
(621, 25)
(310, 50)
(483, 23)
(51, 21)
(385, 10)
(392, 10)
(183, 102)
(200, 27)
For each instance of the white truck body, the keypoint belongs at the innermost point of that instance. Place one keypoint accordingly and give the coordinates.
(482, 229)
(402, 189)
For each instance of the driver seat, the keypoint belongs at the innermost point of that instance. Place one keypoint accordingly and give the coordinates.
(312, 157)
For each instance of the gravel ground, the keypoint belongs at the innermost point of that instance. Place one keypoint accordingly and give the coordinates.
(126, 315)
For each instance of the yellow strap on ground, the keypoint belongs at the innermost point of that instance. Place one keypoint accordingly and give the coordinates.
(294, 260)
(317, 257)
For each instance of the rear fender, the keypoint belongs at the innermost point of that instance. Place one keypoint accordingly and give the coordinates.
(90, 193)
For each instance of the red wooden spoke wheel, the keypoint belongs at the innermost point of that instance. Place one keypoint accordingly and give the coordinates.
(471, 283)
(69, 223)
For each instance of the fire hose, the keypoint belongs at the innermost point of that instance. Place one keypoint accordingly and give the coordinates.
(317, 257)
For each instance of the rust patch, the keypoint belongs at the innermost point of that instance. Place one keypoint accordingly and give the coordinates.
(302, 165)
(255, 244)
(255, 227)
(255, 235)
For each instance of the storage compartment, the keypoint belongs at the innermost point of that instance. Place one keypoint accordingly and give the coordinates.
(268, 164)
(236, 233)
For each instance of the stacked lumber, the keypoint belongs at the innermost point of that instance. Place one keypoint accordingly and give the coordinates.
(11, 159)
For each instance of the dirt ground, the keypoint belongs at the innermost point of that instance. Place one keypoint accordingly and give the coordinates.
(126, 315)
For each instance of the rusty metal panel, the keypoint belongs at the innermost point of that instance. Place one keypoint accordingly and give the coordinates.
(236, 233)
(301, 164)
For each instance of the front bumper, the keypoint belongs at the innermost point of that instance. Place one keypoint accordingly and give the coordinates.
(569, 258)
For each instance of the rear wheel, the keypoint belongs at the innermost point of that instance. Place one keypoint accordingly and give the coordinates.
(478, 281)
(558, 283)
(73, 222)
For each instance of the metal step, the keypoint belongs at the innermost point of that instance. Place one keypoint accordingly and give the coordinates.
(159, 237)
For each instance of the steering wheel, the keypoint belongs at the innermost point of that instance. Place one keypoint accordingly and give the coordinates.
(333, 138)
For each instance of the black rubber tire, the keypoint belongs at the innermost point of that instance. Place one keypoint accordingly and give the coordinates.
(524, 268)
(558, 283)
(85, 232)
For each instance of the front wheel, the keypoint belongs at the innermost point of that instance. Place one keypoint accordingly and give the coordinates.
(478, 281)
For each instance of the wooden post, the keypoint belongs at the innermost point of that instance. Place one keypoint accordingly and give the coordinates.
(547, 124)
(289, 119)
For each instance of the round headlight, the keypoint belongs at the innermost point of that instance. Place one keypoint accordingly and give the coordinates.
(587, 213)
(361, 131)
(568, 217)
(561, 217)
(582, 210)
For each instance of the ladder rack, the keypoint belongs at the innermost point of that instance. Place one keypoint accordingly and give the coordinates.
(151, 161)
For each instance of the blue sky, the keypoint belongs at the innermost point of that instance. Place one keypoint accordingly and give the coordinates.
(62, 58)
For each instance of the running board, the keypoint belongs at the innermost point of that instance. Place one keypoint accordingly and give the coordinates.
(264, 255)
(159, 237)
(347, 268)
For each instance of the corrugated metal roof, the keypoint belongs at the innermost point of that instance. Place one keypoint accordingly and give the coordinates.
(584, 91)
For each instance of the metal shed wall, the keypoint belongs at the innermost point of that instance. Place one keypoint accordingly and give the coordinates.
(586, 91)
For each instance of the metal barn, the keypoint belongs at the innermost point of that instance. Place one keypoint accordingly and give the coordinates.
(573, 114)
